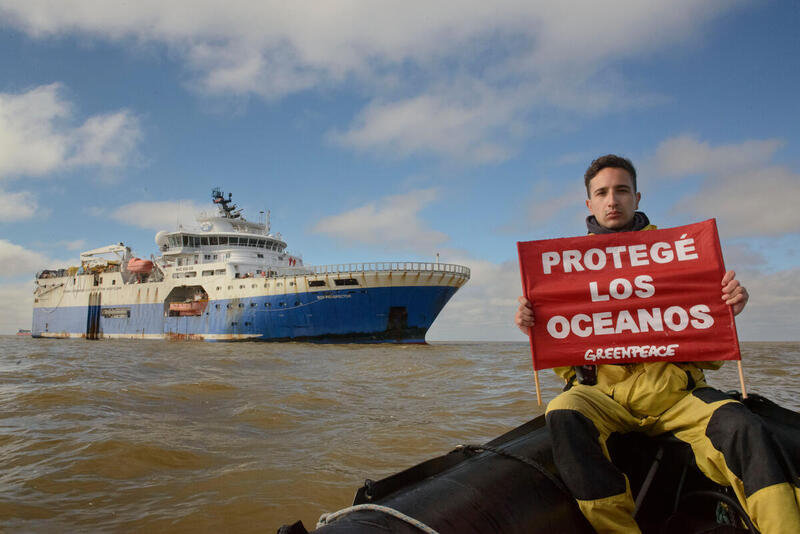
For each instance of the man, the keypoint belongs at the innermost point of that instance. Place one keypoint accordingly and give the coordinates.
(656, 398)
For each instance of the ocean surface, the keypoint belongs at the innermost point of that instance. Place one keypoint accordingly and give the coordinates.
(135, 436)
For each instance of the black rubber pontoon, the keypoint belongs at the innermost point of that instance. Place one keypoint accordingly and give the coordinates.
(510, 486)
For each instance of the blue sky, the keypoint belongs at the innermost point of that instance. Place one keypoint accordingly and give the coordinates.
(393, 131)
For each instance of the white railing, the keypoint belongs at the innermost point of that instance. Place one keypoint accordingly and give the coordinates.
(399, 266)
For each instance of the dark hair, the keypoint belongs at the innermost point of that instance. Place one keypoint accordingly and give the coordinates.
(609, 160)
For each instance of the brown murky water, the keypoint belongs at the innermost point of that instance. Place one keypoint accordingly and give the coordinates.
(134, 436)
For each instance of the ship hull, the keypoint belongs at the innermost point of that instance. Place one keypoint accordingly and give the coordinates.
(393, 306)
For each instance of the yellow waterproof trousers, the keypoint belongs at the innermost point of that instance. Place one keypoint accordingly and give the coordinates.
(730, 445)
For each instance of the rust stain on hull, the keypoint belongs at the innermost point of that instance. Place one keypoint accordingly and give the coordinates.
(172, 336)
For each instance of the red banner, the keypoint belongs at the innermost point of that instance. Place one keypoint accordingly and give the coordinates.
(628, 297)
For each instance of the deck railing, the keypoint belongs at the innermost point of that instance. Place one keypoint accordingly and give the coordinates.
(397, 266)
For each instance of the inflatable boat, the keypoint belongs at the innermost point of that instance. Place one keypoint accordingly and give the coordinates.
(511, 486)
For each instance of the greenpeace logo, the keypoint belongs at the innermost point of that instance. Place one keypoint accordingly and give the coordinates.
(633, 352)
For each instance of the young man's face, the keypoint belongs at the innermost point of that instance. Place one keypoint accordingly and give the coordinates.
(612, 199)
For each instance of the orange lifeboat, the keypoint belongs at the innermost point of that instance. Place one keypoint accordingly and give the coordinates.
(183, 309)
(138, 265)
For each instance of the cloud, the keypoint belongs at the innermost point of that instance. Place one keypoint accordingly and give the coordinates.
(38, 135)
(17, 260)
(771, 313)
(544, 207)
(754, 203)
(484, 308)
(739, 184)
(16, 306)
(439, 70)
(17, 206)
(474, 127)
(77, 244)
(157, 215)
(105, 140)
(392, 222)
(685, 155)
(742, 256)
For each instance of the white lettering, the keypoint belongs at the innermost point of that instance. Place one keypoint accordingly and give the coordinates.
(669, 318)
(575, 323)
(630, 352)
(650, 320)
(602, 323)
(598, 262)
(615, 255)
(638, 255)
(596, 296)
(642, 320)
(616, 284)
(701, 318)
(666, 257)
(625, 322)
(645, 289)
(572, 259)
(685, 249)
(548, 260)
(596, 259)
(558, 327)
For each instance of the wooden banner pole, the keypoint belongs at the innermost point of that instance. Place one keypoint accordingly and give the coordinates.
(538, 391)
(741, 380)
(535, 371)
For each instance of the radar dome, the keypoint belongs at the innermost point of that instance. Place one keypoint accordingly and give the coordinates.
(161, 238)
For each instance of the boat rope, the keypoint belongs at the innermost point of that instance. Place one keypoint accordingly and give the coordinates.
(52, 308)
(325, 519)
(46, 291)
(527, 461)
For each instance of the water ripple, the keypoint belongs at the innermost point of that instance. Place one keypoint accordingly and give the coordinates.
(120, 436)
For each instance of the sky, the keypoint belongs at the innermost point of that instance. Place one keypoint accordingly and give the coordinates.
(393, 131)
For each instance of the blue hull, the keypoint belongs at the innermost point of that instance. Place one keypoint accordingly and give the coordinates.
(377, 314)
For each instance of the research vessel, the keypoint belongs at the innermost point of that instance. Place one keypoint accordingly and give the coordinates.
(233, 279)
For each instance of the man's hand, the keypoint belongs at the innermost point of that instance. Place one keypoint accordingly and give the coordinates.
(524, 316)
(733, 293)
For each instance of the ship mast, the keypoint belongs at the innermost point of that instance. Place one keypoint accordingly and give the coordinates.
(226, 209)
